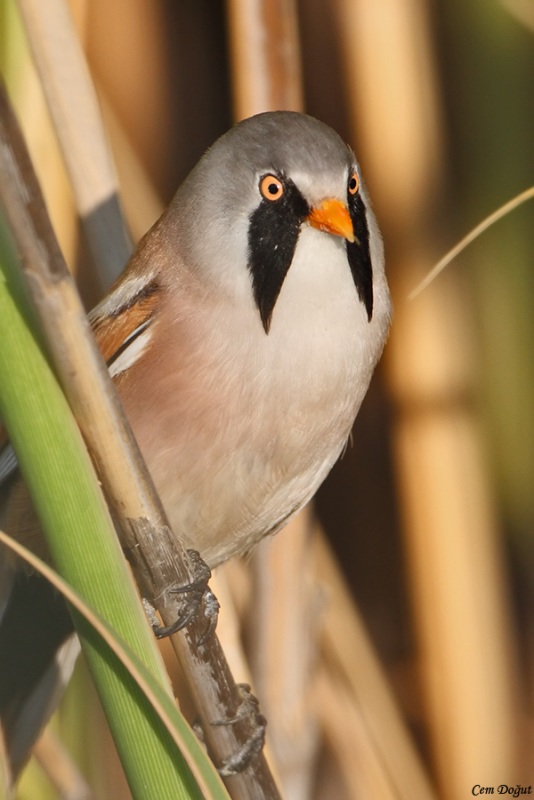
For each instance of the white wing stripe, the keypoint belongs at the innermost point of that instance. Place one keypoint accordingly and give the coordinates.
(131, 351)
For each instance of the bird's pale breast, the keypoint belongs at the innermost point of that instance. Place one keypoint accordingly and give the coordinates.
(246, 424)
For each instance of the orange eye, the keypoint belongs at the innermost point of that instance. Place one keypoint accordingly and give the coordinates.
(271, 187)
(354, 183)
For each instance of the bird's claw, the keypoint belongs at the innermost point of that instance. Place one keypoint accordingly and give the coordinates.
(252, 747)
(197, 591)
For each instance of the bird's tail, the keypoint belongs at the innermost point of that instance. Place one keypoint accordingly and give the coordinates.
(38, 650)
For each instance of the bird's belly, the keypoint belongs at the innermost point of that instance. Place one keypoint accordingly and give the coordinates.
(232, 466)
(227, 488)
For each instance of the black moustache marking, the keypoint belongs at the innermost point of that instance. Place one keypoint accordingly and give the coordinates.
(359, 254)
(272, 238)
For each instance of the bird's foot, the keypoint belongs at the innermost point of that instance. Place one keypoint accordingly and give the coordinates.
(252, 747)
(195, 595)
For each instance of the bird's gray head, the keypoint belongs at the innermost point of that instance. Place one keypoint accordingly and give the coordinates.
(243, 206)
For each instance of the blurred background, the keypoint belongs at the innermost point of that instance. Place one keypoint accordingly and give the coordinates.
(430, 513)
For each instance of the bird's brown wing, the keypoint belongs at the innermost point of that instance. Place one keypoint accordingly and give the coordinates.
(114, 331)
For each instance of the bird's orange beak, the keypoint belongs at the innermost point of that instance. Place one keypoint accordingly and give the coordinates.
(332, 216)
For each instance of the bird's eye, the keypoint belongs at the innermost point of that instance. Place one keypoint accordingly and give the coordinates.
(354, 183)
(271, 187)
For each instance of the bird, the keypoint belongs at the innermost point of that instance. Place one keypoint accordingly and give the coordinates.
(241, 338)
